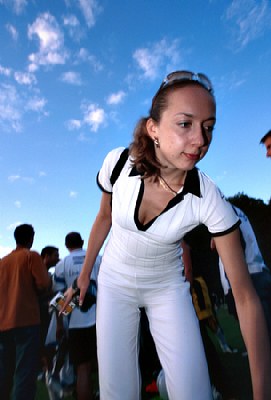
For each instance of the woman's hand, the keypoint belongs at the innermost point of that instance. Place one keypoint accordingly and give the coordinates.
(82, 284)
(68, 297)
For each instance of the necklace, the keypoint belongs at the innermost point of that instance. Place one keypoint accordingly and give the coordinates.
(166, 186)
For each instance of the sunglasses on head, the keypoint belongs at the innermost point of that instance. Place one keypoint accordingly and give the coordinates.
(179, 76)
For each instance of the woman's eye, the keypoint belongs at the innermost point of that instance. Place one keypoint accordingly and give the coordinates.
(185, 124)
(209, 129)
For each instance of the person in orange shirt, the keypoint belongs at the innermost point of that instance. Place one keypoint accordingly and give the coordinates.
(22, 275)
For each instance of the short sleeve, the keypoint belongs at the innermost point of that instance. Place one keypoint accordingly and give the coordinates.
(104, 175)
(59, 283)
(216, 212)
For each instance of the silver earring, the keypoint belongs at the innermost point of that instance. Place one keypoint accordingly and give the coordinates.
(156, 142)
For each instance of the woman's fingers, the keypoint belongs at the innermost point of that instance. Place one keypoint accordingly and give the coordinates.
(82, 283)
(68, 297)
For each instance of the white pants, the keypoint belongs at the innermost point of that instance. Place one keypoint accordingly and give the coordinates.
(174, 327)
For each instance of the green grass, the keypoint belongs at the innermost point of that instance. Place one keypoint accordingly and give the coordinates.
(235, 364)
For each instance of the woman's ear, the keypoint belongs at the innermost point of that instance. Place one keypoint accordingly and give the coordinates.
(151, 127)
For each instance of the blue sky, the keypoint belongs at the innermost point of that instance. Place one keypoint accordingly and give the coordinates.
(76, 75)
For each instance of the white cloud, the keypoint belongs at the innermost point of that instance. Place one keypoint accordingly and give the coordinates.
(10, 114)
(32, 67)
(15, 178)
(17, 5)
(250, 20)
(83, 138)
(161, 54)
(70, 20)
(18, 204)
(51, 42)
(73, 194)
(74, 124)
(13, 31)
(94, 117)
(13, 106)
(146, 62)
(72, 77)
(24, 78)
(5, 71)
(90, 9)
(37, 104)
(116, 98)
(84, 56)
(73, 26)
(42, 174)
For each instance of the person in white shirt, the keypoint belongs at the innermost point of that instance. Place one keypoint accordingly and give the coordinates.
(82, 325)
(259, 272)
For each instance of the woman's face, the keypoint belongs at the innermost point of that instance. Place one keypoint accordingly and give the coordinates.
(185, 128)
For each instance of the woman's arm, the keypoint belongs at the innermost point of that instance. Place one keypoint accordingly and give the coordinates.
(98, 234)
(250, 313)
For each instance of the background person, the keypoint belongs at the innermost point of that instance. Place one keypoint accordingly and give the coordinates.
(22, 275)
(50, 257)
(266, 140)
(259, 272)
(158, 197)
(82, 325)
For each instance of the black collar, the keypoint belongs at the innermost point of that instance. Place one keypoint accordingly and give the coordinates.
(191, 183)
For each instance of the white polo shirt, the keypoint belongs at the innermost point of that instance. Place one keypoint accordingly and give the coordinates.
(65, 272)
(156, 245)
(253, 255)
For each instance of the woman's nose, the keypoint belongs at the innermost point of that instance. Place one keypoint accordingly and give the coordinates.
(200, 137)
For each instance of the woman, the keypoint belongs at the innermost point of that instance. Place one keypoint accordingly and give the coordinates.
(157, 198)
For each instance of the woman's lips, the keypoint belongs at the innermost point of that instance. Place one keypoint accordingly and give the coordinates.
(193, 157)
